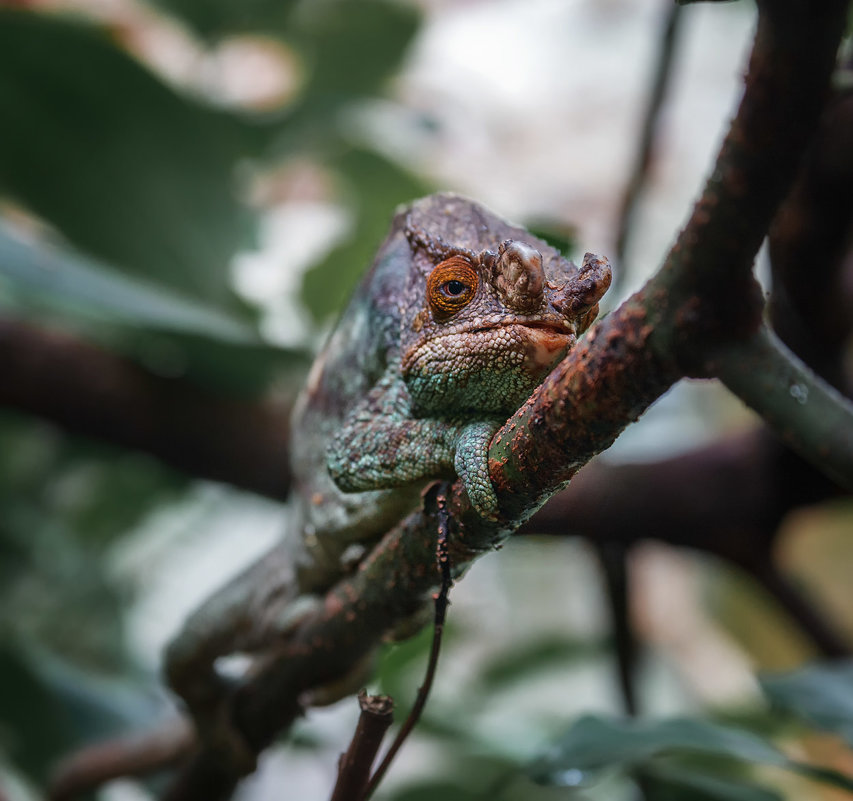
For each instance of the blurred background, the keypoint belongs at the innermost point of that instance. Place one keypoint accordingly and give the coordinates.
(196, 186)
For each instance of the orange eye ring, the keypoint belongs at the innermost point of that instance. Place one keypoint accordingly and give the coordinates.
(451, 286)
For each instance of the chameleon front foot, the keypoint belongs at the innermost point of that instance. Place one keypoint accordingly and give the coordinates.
(472, 466)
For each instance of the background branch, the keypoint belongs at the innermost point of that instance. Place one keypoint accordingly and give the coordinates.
(90, 391)
(809, 414)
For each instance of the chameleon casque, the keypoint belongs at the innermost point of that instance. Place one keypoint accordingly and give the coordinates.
(459, 318)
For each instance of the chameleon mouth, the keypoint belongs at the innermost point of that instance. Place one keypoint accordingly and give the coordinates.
(557, 327)
(543, 342)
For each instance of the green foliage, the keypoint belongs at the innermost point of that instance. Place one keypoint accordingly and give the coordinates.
(350, 48)
(820, 694)
(124, 167)
(594, 746)
(216, 18)
(42, 276)
(65, 503)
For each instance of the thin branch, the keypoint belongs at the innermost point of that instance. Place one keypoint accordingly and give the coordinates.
(811, 306)
(138, 756)
(377, 714)
(441, 602)
(615, 567)
(90, 391)
(808, 414)
(645, 147)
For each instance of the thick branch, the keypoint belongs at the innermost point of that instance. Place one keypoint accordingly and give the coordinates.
(89, 391)
(604, 384)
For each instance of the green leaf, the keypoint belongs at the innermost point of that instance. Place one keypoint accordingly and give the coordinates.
(55, 708)
(350, 49)
(681, 783)
(821, 694)
(122, 165)
(351, 46)
(595, 745)
(65, 500)
(519, 664)
(72, 283)
(216, 18)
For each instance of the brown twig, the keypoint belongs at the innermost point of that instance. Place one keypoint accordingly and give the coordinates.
(441, 602)
(645, 146)
(615, 568)
(90, 391)
(377, 714)
(137, 756)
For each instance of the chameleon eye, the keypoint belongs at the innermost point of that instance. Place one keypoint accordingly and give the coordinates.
(451, 286)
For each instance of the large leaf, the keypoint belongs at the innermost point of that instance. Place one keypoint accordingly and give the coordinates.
(351, 46)
(60, 279)
(120, 163)
(49, 708)
(677, 783)
(821, 694)
(350, 49)
(215, 18)
(594, 745)
(165, 331)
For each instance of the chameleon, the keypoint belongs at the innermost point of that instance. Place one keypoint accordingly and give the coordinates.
(460, 317)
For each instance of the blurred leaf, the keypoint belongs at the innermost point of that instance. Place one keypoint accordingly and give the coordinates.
(562, 237)
(64, 501)
(351, 46)
(594, 745)
(430, 791)
(71, 282)
(677, 783)
(122, 165)
(216, 18)
(518, 664)
(375, 187)
(55, 708)
(401, 665)
(821, 694)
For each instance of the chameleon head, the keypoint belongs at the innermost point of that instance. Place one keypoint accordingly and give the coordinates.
(486, 327)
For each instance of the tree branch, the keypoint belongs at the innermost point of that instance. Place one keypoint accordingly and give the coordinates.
(91, 767)
(645, 147)
(89, 391)
(807, 413)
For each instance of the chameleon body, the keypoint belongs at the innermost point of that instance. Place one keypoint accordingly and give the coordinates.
(459, 318)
